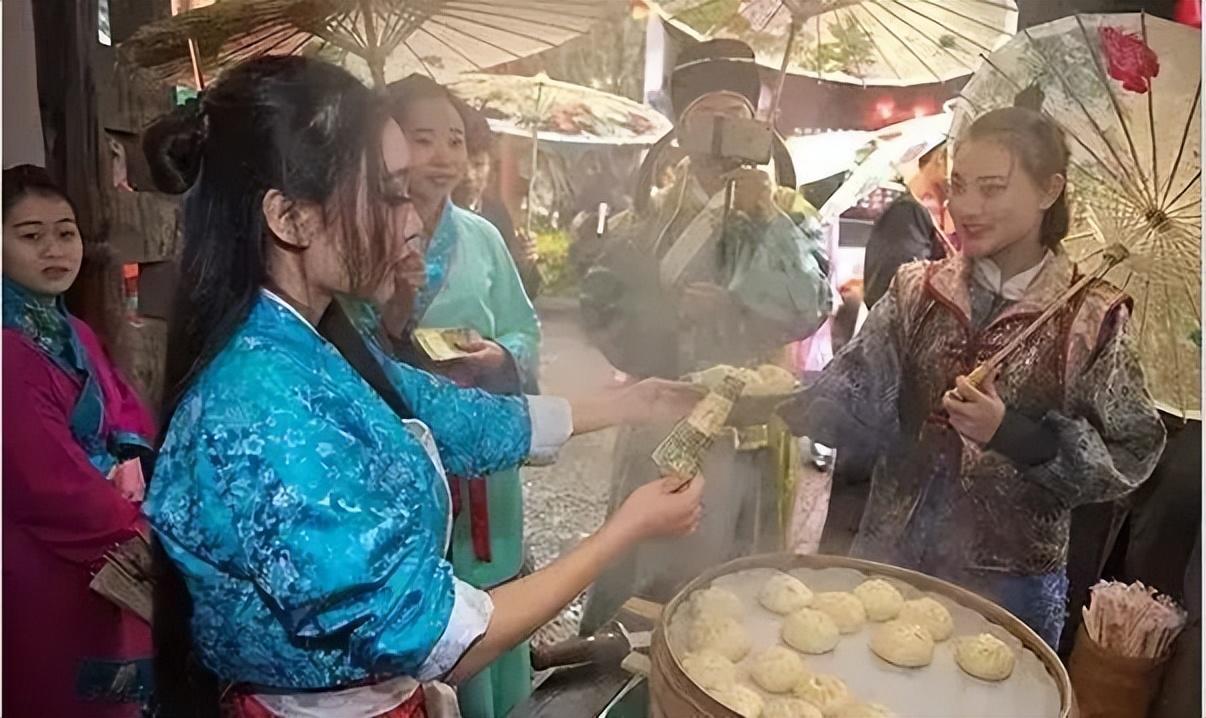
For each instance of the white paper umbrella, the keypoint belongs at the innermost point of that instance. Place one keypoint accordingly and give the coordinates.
(895, 145)
(560, 111)
(868, 42)
(825, 154)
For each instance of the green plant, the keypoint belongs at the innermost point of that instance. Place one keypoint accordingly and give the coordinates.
(552, 246)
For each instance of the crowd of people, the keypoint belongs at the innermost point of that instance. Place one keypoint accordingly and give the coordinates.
(335, 519)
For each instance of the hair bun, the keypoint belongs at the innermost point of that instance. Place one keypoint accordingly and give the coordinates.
(173, 146)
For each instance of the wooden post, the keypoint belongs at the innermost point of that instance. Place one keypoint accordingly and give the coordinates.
(66, 36)
(83, 96)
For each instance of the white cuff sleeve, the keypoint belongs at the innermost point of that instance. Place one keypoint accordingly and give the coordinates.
(471, 611)
(552, 426)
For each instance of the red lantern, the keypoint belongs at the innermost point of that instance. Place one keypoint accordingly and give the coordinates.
(1189, 12)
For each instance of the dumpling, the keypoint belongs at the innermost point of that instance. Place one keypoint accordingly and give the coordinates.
(880, 599)
(722, 634)
(903, 644)
(773, 380)
(828, 693)
(777, 669)
(709, 669)
(930, 615)
(717, 602)
(845, 610)
(864, 710)
(810, 631)
(790, 708)
(740, 699)
(784, 594)
(984, 656)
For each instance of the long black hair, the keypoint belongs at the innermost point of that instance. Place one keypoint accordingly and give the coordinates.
(310, 131)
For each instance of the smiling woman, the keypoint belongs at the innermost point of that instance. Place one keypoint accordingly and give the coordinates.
(72, 438)
(994, 469)
(472, 283)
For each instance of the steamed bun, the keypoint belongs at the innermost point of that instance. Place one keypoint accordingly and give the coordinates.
(774, 380)
(880, 599)
(845, 610)
(710, 669)
(828, 693)
(740, 699)
(722, 634)
(903, 644)
(930, 615)
(784, 594)
(984, 656)
(777, 669)
(790, 708)
(717, 602)
(810, 631)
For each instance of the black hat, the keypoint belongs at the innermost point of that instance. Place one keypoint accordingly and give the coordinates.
(714, 66)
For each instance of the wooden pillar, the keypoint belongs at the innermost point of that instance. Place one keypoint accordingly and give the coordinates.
(87, 104)
(66, 36)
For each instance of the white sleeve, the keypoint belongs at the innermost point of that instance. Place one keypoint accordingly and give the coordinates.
(552, 426)
(471, 612)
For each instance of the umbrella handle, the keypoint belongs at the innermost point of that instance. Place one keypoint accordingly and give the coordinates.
(1112, 257)
(194, 57)
(535, 154)
(797, 22)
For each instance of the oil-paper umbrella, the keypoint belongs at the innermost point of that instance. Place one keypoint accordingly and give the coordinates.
(559, 111)
(379, 40)
(1127, 90)
(545, 109)
(867, 42)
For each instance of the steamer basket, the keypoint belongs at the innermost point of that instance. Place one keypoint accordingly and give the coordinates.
(674, 695)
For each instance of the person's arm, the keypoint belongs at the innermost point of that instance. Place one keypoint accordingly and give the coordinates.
(1102, 446)
(342, 542)
(852, 405)
(524, 605)
(1110, 440)
(479, 433)
(51, 489)
(345, 543)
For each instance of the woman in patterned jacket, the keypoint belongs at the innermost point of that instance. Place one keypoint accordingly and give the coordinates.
(976, 484)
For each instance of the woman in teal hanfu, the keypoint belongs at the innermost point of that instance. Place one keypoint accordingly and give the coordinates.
(472, 283)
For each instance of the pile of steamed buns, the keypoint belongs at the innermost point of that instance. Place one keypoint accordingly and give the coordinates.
(813, 624)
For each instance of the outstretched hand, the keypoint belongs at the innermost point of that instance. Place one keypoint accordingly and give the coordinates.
(656, 510)
(656, 401)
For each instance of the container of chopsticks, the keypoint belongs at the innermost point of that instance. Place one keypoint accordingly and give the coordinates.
(1121, 649)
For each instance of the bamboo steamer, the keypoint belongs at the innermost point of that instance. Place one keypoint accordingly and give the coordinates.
(673, 695)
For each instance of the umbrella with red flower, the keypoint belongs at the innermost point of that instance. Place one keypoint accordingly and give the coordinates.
(1126, 89)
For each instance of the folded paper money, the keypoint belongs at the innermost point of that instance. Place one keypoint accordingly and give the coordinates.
(443, 344)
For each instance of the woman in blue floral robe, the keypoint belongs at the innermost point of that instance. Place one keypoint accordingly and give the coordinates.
(300, 509)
